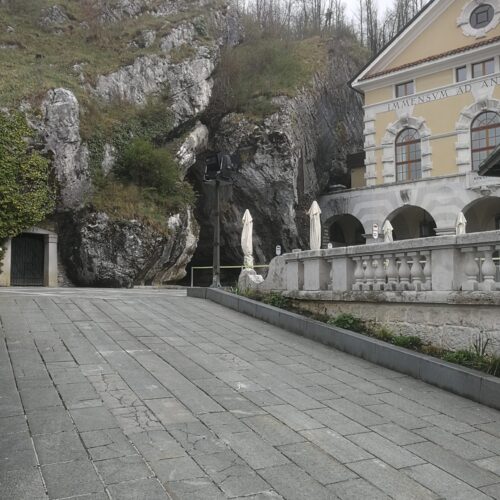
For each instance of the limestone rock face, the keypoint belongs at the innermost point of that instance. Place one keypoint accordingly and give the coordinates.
(186, 78)
(60, 127)
(53, 17)
(282, 163)
(121, 9)
(195, 143)
(188, 83)
(99, 251)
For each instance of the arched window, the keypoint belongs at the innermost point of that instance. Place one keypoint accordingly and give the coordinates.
(485, 136)
(408, 155)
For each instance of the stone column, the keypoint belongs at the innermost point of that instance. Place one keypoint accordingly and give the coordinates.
(447, 269)
(316, 274)
(294, 274)
(50, 271)
(342, 274)
(6, 264)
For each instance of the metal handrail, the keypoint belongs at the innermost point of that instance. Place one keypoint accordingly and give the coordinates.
(259, 266)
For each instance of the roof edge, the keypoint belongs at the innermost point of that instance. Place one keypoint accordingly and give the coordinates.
(389, 43)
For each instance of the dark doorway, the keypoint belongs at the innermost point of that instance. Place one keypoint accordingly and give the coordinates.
(346, 230)
(483, 214)
(411, 222)
(27, 264)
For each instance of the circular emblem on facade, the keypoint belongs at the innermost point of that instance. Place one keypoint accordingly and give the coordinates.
(477, 18)
(482, 16)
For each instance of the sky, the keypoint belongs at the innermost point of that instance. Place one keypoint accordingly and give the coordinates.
(381, 4)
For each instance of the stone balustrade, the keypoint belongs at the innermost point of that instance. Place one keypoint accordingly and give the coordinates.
(443, 263)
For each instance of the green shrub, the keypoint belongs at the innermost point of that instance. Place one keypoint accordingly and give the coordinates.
(382, 333)
(148, 167)
(408, 341)
(494, 366)
(462, 357)
(277, 300)
(321, 317)
(348, 322)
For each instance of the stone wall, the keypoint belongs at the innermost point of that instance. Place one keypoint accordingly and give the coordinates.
(448, 325)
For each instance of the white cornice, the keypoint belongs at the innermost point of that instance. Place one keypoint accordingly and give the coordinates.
(375, 108)
(429, 68)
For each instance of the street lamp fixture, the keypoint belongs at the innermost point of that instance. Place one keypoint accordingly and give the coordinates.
(218, 168)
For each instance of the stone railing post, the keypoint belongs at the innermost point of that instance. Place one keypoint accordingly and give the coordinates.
(416, 273)
(369, 274)
(359, 274)
(488, 270)
(391, 273)
(427, 270)
(471, 270)
(378, 264)
(404, 272)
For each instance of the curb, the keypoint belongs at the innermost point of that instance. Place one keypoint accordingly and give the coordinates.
(459, 380)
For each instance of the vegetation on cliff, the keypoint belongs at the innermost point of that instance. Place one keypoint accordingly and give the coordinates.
(69, 44)
(43, 48)
(26, 195)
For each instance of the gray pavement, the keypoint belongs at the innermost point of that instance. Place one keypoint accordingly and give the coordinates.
(148, 394)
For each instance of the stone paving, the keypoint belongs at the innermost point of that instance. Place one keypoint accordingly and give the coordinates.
(149, 394)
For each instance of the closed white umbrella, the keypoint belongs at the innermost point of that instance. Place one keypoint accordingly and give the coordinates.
(315, 226)
(461, 223)
(246, 240)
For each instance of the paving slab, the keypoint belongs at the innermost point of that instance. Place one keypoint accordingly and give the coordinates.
(148, 394)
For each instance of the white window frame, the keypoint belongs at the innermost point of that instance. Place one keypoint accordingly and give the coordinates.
(463, 20)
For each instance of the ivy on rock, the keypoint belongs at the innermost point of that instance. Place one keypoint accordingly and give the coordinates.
(26, 195)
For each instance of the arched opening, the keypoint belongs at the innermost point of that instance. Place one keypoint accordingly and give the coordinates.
(485, 136)
(483, 215)
(412, 222)
(346, 230)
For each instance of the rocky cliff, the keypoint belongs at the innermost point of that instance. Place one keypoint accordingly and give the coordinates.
(284, 161)
(177, 45)
(164, 62)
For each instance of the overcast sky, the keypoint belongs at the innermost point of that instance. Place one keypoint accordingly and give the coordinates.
(382, 5)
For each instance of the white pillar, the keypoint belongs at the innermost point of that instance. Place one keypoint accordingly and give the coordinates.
(6, 264)
(50, 264)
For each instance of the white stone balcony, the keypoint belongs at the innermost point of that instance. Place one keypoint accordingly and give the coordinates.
(438, 264)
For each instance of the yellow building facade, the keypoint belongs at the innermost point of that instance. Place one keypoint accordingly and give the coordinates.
(431, 116)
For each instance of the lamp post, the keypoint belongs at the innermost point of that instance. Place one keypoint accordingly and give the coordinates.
(217, 172)
(216, 251)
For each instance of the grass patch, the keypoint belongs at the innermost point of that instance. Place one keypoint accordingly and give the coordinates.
(348, 322)
(182, 53)
(126, 202)
(251, 74)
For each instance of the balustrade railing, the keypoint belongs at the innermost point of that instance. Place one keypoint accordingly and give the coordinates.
(393, 272)
(443, 263)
